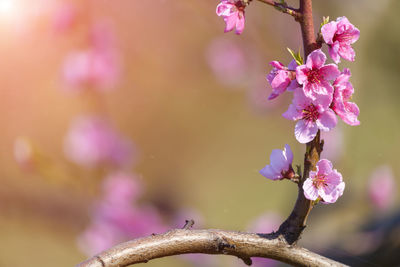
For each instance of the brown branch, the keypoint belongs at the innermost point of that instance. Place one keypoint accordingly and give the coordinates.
(292, 228)
(307, 27)
(284, 8)
(181, 241)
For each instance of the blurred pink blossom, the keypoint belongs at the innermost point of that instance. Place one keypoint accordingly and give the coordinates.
(382, 188)
(120, 188)
(97, 67)
(91, 141)
(257, 97)
(265, 223)
(333, 143)
(23, 153)
(228, 61)
(64, 17)
(118, 218)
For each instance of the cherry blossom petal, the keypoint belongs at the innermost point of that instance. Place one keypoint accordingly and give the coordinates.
(288, 152)
(301, 74)
(316, 59)
(310, 192)
(278, 160)
(324, 166)
(292, 113)
(277, 64)
(327, 120)
(270, 173)
(305, 131)
(347, 52)
(230, 22)
(328, 31)
(334, 52)
(240, 23)
(330, 71)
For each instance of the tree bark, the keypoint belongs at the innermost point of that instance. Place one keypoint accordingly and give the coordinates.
(183, 241)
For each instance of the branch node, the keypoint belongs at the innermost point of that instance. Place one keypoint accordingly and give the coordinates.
(188, 224)
(223, 244)
(246, 261)
(101, 261)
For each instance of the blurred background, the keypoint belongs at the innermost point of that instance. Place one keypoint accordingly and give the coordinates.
(124, 118)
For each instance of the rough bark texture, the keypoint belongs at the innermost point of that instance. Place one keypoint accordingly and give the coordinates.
(176, 242)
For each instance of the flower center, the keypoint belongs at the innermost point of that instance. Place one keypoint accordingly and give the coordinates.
(310, 113)
(314, 76)
(319, 181)
(240, 5)
(343, 38)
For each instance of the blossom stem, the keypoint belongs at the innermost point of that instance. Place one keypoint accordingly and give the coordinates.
(284, 8)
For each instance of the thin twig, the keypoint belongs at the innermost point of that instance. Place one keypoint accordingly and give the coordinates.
(283, 8)
(180, 241)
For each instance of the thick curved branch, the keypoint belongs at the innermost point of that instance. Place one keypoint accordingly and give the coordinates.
(183, 241)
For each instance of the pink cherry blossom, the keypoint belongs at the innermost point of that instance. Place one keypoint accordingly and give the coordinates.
(339, 35)
(382, 188)
(324, 183)
(282, 78)
(334, 143)
(92, 141)
(280, 164)
(347, 111)
(232, 12)
(315, 76)
(311, 116)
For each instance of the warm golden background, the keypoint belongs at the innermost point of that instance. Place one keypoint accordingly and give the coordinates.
(200, 141)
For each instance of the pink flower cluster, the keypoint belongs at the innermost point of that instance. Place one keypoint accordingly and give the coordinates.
(325, 184)
(316, 101)
(321, 91)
